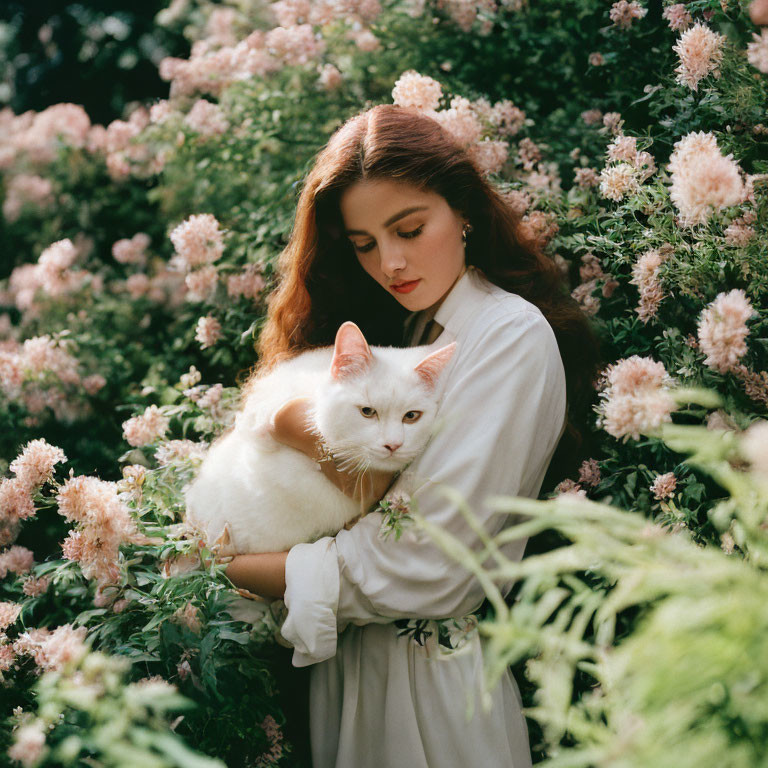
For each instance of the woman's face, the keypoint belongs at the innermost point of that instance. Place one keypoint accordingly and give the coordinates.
(408, 240)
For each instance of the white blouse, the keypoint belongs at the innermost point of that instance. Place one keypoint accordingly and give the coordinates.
(383, 700)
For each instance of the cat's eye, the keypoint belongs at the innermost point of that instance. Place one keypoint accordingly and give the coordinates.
(367, 411)
(412, 416)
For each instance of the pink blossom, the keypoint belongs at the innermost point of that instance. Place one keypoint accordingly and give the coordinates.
(489, 156)
(137, 285)
(208, 331)
(723, 330)
(15, 500)
(700, 51)
(206, 119)
(26, 190)
(663, 486)
(582, 293)
(739, 233)
(613, 122)
(291, 12)
(219, 29)
(755, 383)
(211, 397)
(198, 240)
(645, 275)
(133, 250)
(35, 464)
(146, 428)
(507, 118)
(94, 383)
(636, 399)
(596, 59)
(623, 13)
(9, 612)
(188, 617)
(16, 560)
(592, 116)
(161, 112)
(618, 181)
(52, 650)
(415, 90)
(635, 373)
(294, 46)
(84, 497)
(570, 488)
(586, 177)
(330, 78)
(28, 746)
(703, 180)
(623, 148)
(757, 51)
(460, 122)
(589, 473)
(678, 17)
(201, 284)
(248, 283)
(33, 587)
(7, 656)
(591, 268)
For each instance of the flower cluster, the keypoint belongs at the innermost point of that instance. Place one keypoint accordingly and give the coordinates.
(32, 469)
(700, 51)
(636, 398)
(723, 330)
(146, 428)
(103, 523)
(645, 275)
(703, 179)
(623, 13)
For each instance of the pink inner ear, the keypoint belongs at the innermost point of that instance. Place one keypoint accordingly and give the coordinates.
(430, 368)
(351, 354)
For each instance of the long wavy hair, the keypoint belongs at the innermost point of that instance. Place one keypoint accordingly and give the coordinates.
(321, 284)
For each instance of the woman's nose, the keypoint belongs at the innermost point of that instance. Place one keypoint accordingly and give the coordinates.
(392, 260)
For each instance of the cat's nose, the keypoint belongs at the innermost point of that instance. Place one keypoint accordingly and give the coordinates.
(392, 447)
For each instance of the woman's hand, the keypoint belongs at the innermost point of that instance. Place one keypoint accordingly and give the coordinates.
(292, 426)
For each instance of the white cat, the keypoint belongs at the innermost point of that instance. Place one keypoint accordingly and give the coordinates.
(374, 408)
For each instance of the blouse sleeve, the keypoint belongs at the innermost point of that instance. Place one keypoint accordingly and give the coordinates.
(503, 412)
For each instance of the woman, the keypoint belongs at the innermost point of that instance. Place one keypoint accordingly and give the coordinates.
(396, 230)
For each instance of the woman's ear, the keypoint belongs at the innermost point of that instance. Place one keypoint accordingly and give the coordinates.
(351, 354)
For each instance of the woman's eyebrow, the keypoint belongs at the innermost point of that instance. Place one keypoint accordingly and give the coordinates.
(390, 220)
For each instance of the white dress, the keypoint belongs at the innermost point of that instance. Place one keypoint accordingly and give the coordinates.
(380, 700)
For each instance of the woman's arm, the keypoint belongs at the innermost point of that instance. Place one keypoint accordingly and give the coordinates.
(262, 574)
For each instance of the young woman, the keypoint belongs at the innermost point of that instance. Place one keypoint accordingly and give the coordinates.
(398, 231)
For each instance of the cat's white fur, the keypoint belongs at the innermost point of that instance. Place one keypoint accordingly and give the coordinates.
(271, 496)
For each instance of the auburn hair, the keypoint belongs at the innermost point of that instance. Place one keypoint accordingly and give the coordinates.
(321, 283)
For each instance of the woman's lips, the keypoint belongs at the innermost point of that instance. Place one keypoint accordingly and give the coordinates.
(406, 287)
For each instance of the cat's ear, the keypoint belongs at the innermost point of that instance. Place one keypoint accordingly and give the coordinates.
(351, 354)
(430, 368)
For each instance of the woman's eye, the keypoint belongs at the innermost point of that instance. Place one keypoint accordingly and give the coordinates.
(412, 233)
(368, 412)
(412, 416)
(363, 248)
